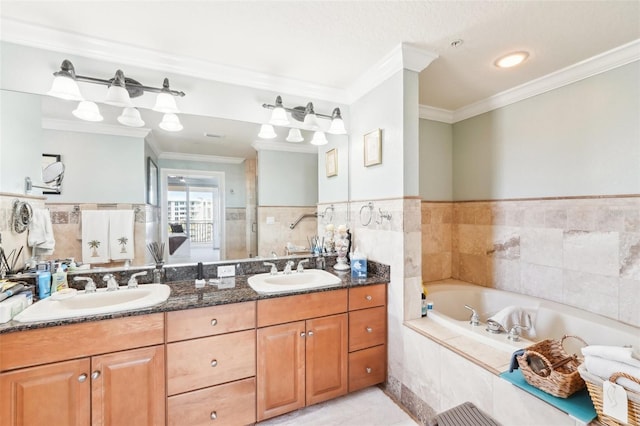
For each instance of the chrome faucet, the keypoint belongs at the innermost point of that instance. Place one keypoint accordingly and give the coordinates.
(273, 270)
(89, 287)
(514, 334)
(287, 268)
(112, 284)
(300, 267)
(475, 318)
(133, 281)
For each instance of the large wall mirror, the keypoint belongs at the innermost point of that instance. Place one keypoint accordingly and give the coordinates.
(223, 194)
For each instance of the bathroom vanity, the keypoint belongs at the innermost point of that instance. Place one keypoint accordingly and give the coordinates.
(232, 355)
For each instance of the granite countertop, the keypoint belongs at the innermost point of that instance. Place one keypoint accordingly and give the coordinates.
(184, 295)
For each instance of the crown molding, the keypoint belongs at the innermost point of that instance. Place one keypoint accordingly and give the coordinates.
(435, 114)
(200, 157)
(603, 62)
(403, 56)
(285, 146)
(81, 45)
(96, 128)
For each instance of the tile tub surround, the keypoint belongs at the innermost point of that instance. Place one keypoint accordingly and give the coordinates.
(580, 251)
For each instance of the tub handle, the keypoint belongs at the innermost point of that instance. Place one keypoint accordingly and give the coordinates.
(514, 334)
(475, 318)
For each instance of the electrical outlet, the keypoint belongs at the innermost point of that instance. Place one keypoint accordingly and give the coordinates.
(226, 271)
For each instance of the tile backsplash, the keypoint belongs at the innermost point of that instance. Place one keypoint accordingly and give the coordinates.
(583, 252)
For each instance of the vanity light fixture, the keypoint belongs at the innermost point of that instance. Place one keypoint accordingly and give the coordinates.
(87, 111)
(120, 91)
(511, 60)
(308, 117)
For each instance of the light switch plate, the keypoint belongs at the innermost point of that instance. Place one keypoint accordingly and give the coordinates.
(226, 271)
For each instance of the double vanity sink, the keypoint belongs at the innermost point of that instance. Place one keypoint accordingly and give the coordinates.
(74, 304)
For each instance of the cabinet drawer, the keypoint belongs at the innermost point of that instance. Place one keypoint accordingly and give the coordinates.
(301, 307)
(201, 322)
(367, 296)
(228, 404)
(51, 344)
(367, 327)
(367, 367)
(198, 363)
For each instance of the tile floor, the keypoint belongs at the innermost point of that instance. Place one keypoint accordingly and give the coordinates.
(370, 407)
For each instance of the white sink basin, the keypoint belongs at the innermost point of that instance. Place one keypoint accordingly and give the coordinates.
(80, 304)
(310, 278)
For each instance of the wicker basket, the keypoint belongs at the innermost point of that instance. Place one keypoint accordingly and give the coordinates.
(594, 385)
(562, 381)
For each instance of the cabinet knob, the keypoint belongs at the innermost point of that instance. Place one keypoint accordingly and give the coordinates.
(214, 415)
(309, 333)
(302, 334)
(214, 322)
(95, 374)
(369, 330)
(214, 362)
(368, 297)
(82, 378)
(368, 370)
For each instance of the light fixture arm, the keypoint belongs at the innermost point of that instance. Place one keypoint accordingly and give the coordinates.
(67, 69)
(296, 110)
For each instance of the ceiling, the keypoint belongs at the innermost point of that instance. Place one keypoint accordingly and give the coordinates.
(332, 43)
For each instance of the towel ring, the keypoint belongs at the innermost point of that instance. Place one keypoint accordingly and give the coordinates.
(328, 211)
(366, 222)
(21, 216)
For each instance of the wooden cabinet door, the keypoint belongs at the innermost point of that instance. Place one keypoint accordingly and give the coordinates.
(326, 358)
(45, 395)
(280, 369)
(128, 388)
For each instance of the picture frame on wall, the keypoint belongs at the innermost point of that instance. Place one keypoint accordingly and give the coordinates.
(372, 148)
(47, 160)
(152, 182)
(331, 162)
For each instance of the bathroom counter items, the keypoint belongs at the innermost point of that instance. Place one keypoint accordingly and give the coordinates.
(184, 295)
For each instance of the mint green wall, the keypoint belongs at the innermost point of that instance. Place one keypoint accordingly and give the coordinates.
(436, 161)
(580, 139)
(293, 178)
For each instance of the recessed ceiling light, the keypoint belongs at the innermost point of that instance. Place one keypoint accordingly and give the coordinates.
(511, 60)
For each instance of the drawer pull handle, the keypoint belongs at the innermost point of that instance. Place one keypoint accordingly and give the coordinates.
(95, 374)
(310, 333)
(214, 322)
(214, 362)
(368, 370)
(302, 334)
(369, 330)
(368, 297)
(214, 415)
(82, 378)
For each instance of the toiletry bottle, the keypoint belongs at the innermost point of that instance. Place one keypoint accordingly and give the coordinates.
(424, 305)
(320, 262)
(59, 280)
(44, 284)
(358, 265)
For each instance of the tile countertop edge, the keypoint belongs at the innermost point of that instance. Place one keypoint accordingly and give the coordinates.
(184, 295)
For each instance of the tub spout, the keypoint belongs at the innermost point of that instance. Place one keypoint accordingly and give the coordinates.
(475, 318)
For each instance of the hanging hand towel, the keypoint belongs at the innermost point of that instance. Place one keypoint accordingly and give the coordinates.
(41, 233)
(121, 223)
(95, 236)
(514, 315)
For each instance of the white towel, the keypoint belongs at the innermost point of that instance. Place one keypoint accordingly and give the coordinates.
(512, 315)
(613, 353)
(95, 236)
(121, 223)
(604, 368)
(40, 236)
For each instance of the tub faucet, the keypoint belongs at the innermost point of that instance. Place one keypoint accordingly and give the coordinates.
(514, 334)
(475, 318)
(112, 284)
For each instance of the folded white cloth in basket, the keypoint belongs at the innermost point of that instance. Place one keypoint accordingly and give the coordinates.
(604, 368)
(514, 315)
(614, 353)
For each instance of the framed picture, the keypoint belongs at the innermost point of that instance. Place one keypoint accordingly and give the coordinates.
(47, 160)
(372, 148)
(152, 182)
(331, 162)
